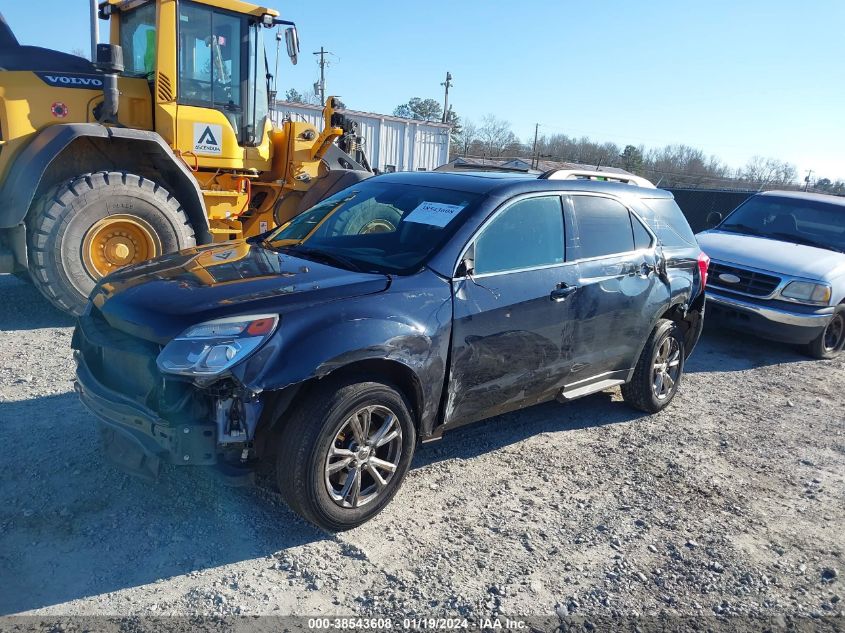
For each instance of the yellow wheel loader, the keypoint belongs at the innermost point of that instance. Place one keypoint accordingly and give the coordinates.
(163, 142)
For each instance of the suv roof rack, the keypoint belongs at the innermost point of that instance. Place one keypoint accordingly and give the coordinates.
(586, 174)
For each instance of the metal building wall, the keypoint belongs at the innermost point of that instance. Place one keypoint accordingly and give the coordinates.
(404, 144)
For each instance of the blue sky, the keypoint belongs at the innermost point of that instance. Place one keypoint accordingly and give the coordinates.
(734, 78)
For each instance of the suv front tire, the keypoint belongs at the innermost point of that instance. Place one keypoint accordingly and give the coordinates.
(345, 452)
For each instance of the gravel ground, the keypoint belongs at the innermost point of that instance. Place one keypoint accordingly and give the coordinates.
(730, 502)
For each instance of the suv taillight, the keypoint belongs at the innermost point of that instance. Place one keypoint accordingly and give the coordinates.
(703, 264)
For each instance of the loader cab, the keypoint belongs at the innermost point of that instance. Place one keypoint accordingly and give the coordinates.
(222, 66)
(209, 74)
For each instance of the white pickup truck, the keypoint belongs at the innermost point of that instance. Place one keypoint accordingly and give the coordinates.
(778, 269)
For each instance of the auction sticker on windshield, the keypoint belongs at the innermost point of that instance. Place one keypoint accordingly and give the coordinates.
(434, 213)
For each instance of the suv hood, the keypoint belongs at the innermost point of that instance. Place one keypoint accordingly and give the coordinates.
(159, 299)
(786, 258)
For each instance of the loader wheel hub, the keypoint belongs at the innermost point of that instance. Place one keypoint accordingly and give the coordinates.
(117, 241)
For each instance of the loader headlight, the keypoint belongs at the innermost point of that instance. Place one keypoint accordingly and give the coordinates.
(807, 292)
(210, 348)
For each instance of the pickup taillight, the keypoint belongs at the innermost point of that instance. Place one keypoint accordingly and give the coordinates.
(703, 265)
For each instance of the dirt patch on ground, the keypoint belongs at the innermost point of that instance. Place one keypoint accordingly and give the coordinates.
(730, 502)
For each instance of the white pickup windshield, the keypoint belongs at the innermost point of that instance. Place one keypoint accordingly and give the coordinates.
(810, 222)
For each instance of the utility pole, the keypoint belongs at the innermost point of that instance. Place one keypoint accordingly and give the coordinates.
(448, 84)
(323, 52)
(95, 29)
(807, 179)
(534, 158)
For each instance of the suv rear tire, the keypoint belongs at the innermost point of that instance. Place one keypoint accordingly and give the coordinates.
(337, 475)
(659, 369)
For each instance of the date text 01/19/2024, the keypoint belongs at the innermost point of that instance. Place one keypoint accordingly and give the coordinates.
(414, 624)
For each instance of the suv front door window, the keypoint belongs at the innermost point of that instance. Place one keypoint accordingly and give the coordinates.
(510, 337)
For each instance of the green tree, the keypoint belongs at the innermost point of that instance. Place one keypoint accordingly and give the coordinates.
(293, 95)
(632, 159)
(454, 120)
(420, 109)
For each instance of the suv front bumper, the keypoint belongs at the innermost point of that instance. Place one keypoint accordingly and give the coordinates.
(137, 439)
(778, 321)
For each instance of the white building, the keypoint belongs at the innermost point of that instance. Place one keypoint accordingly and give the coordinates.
(391, 143)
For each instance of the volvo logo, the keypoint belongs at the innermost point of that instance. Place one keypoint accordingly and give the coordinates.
(729, 278)
(86, 82)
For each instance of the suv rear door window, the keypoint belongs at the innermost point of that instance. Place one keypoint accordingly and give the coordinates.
(604, 227)
(642, 238)
(527, 234)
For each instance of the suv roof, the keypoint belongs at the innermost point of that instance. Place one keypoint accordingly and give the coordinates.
(506, 183)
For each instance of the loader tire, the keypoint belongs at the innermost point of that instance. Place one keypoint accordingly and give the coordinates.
(94, 224)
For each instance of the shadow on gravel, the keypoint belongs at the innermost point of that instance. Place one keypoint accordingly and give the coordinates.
(23, 307)
(725, 350)
(72, 526)
(495, 433)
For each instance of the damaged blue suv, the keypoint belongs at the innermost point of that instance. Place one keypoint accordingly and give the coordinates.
(391, 312)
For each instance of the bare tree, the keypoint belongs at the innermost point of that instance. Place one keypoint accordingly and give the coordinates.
(766, 172)
(463, 140)
(310, 97)
(685, 166)
(495, 135)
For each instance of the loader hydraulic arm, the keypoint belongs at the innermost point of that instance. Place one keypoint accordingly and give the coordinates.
(329, 134)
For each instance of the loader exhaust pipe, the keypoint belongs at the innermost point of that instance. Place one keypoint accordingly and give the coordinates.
(110, 63)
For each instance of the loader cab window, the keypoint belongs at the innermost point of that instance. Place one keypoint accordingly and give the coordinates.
(258, 110)
(212, 61)
(138, 39)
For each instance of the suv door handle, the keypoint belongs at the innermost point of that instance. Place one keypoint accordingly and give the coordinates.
(562, 292)
(646, 269)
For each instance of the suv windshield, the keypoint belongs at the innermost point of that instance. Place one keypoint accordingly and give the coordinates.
(387, 227)
(790, 219)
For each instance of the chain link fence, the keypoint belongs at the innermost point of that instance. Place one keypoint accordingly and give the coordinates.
(697, 204)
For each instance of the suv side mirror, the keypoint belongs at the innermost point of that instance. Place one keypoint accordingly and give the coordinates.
(467, 266)
(713, 219)
(292, 42)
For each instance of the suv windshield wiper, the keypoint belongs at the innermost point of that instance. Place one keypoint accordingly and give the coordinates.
(323, 256)
(805, 240)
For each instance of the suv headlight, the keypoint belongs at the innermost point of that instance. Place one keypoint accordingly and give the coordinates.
(807, 292)
(210, 348)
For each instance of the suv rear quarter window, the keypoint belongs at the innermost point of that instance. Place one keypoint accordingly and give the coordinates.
(669, 223)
